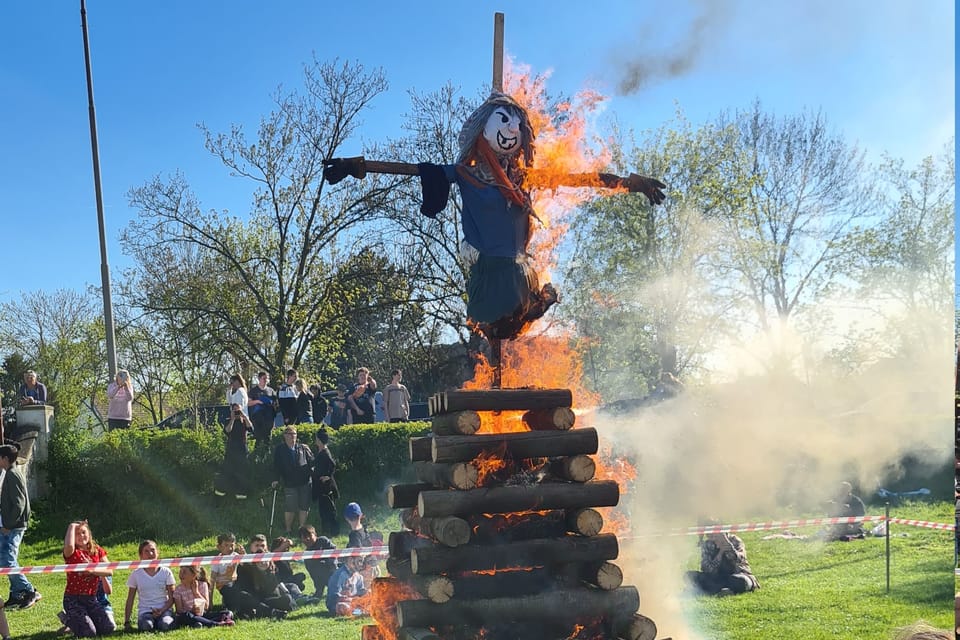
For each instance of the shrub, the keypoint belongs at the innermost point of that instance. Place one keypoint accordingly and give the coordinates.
(159, 483)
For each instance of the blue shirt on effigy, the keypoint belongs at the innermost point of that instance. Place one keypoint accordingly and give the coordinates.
(491, 224)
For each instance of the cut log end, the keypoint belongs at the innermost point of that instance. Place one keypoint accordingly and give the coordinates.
(585, 522)
(463, 423)
(637, 627)
(553, 419)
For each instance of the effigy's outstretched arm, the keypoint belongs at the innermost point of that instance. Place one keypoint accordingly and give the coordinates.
(650, 187)
(336, 169)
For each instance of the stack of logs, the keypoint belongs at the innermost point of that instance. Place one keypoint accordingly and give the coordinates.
(509, 556)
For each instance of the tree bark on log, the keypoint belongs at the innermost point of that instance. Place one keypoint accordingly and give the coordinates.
(400, 569)
(420, 448)
(415, 633)
(458, 475)
(529, 444)
(402, 496)
(565, 606)
(553, 419)
(464, 423)
(528, 553)
(604, 575)
(500, 528)
(579, 468)
(505, 399)
(636, 627)
(401, 543)
(448, 530)
(538, 497)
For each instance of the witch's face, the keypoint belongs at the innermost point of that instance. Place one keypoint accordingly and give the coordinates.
(502, 130)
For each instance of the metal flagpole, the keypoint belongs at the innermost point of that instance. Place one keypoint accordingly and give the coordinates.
(104, 268)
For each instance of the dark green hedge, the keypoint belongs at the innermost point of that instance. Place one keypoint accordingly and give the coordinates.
(159, 483)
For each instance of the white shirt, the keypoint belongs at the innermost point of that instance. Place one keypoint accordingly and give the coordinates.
(239, 397)
(151, 590)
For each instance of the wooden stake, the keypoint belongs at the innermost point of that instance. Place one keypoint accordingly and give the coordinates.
(498, 51)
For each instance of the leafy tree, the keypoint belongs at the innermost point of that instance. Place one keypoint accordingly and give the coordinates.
(271, 285)
(61, 335)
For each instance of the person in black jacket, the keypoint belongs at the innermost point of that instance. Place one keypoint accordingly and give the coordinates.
(325, 486)
(292, 464)
(14, 517)
(260, 580)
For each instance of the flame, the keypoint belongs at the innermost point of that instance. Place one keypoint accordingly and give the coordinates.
(489, 463)
(381, 603)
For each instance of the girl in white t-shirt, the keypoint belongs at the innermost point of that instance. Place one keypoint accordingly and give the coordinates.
(238, 393)
(155, 589)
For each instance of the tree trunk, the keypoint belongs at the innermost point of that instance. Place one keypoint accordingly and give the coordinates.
(505, 399)
(532, 444)
(636, 627)
(458, 475)
(517, 498)
(449, 531)
(579, 468)
(499, 528)
(462, 423)
(420, 448)
(553, 419)
(529, 553)
(566, 606)
(402, 496)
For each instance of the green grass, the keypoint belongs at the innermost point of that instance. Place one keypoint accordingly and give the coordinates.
(810, 590)
(837, 590)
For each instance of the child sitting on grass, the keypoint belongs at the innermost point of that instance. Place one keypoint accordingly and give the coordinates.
(192, 599)
(259, 579)
(224, 576)
(155, 588)
(83, 613)
(345, 584)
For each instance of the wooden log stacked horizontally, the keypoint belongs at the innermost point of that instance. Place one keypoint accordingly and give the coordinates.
(527, 553)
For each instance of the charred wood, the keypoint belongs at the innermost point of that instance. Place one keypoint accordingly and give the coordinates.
(552, 419)
(401, 543)
(414, 633)
(421, 448)
(530, 444)
(580, 468)
(447, 530)
(586, 522)
(403, 496)
(565, 606)
(517, 498)
(505, 399)
(528, 553)
(635, 627)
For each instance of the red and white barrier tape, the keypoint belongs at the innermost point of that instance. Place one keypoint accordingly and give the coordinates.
(787, 524)
(197, 560)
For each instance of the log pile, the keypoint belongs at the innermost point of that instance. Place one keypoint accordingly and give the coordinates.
(521, 557)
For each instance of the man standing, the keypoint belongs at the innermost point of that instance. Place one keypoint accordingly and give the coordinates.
(292, 463)
(287, 398)
(360, 398)
(397, 398)
(262, 411)
(14, 516)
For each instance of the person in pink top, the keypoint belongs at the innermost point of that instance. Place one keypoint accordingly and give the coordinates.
(120, 394)
(192, 599)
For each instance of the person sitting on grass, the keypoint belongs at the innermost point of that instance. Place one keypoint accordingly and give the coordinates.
(191, 598)
(294, 582)
(259, 579)
(345, 584)
(224, 575)
(154, 586)
(846, 505)
(360, 537)
(320, 569)
(83, 613)
(724, 569)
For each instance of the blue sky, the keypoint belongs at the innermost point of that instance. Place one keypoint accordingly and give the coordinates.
(884, 76)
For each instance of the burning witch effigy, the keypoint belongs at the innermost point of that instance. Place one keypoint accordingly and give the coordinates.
(503, 532)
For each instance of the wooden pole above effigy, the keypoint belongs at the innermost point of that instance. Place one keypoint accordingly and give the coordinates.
(498, 51)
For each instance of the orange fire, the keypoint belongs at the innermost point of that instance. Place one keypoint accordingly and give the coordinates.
(381, 603)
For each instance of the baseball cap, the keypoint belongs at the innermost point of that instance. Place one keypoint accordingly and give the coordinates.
(352, 510)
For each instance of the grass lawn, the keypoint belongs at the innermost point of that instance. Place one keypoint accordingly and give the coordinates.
(809, 590)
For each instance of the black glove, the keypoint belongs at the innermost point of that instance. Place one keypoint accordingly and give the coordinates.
(336, 169)
(649, 187)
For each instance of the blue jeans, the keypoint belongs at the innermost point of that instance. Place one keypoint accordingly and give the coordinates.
(9, 550)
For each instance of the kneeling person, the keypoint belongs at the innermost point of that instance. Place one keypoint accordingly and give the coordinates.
(723, 566)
